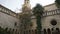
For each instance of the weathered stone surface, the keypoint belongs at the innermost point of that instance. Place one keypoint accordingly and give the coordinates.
(46, 21)
(50, 7)
(8, 21)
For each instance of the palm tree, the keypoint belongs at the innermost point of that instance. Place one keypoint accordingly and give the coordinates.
(38, 11)
(57, 3)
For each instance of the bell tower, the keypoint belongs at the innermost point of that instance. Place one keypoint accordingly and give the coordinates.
(26, 6)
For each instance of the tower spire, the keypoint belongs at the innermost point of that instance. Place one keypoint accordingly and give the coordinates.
(26, 6)
(26, 1)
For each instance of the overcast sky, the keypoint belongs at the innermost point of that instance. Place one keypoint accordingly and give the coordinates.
(17, 4)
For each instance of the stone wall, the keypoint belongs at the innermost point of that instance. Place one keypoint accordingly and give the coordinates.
(46, 22)
(8, 21)
(50, 7)
(34, 23)
(8, 11)
(51, 13)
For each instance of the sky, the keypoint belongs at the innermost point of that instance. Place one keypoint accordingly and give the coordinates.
(15, 5)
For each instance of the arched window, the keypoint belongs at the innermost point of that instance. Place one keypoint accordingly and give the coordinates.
(24, 32)
(15, 24)
(49, 31)
(29, 31)
(57, 30)
(45, 31)
(35, 31)
(52, 29)
(13, 29)
(6, 28)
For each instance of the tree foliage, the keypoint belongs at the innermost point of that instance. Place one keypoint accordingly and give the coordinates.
(25, 20)
(57, 3)
(38, 11)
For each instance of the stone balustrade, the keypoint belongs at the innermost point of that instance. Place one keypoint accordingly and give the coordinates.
(8, 11)
(52, 12)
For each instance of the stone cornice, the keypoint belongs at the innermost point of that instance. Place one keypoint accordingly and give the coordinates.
(52, 12)
(8, 11)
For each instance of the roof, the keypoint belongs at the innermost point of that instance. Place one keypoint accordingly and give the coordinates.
(49, 5)
(6, 8)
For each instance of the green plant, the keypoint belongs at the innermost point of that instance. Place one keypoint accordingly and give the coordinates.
(57, 3)
(26, 21)
(38, 11)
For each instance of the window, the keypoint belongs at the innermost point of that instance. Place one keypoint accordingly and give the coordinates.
(15, 24)
(49, 31)
(6, 28)
(13, 29)
(45, 31)
(53, 22)
(0, 8)
(52, 29)
(57, 29)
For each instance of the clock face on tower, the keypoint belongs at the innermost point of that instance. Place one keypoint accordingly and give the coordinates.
(53, 22)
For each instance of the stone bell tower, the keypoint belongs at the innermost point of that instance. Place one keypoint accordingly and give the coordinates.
(26, 8)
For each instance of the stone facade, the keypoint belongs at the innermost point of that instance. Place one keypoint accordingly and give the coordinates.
(8, 18)
(51, 13)
(46, 21)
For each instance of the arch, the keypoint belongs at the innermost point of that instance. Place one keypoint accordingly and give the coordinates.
(52, 29)
(15, 24)
(29, 31)
(16, 31)
(57, 30)
(45, 31)
(24, 32)
(13, 30)
(32, 32)
(35, 31)
(6, 29)
(48, 31)
(9, 29)
(0, 28)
